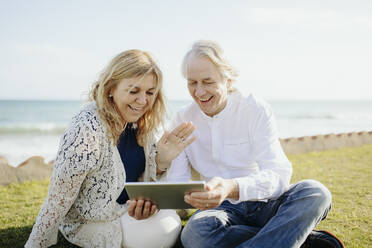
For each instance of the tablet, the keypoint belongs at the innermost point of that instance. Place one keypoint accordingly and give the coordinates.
(166, 195)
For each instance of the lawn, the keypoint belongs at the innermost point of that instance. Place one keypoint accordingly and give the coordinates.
(346, 172)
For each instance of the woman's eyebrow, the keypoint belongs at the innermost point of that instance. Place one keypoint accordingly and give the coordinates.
(131, 86)
(138, 88)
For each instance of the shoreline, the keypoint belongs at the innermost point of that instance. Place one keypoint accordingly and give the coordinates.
(35, 167)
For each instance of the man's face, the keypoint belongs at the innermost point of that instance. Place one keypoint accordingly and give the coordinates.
(206, 85)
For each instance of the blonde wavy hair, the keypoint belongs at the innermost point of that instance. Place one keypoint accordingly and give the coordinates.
(129, 64)
(212, 51)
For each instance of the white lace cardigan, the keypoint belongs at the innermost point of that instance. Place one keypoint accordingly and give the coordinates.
(88, 177)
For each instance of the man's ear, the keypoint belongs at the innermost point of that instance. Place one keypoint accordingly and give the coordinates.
(229, 83)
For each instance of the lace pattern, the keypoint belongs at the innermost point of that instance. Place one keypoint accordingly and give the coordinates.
(87, 178)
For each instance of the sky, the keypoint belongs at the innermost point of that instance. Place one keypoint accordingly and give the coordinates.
(293, 50)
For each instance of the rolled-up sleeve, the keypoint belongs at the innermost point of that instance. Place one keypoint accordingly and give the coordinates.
(275, 170)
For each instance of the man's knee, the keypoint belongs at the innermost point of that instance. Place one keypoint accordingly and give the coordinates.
(320, 196)
(202, 228)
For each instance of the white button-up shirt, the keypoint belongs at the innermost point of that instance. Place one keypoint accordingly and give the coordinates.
(241, 142)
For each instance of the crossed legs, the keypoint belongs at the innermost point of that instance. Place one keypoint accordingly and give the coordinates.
(284, 222)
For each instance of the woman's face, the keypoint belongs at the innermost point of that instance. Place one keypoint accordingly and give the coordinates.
(134, 96)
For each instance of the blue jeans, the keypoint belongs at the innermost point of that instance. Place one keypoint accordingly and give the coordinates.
(284, 222)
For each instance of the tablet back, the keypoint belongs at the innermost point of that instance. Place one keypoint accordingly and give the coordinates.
(167, 195)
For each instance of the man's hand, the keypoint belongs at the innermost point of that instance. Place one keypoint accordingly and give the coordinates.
(141, 209)
(172, 144)
(217, 190)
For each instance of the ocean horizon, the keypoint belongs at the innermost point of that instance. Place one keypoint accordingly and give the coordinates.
(33, 127)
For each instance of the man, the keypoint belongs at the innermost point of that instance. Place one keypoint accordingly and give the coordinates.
(249, 201)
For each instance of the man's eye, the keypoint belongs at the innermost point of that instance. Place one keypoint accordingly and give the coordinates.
(132, 92)
(209, 82)
(150, 93)
(191, 82)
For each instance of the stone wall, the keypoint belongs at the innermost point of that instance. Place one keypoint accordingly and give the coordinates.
(325, 142)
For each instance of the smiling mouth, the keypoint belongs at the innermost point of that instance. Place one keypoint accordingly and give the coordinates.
(205, 101)
(138, 110)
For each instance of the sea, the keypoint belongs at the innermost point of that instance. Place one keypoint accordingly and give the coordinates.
(33, 128)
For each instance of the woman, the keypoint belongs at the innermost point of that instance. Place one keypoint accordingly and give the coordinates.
(109, 142)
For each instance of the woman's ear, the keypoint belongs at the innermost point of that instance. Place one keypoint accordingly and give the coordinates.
(111, 91)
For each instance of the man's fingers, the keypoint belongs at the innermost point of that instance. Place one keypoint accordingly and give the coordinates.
(201, 203)
(207, 195)
(212, 184)
(202, 200)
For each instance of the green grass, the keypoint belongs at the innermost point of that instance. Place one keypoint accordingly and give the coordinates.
(346, 172)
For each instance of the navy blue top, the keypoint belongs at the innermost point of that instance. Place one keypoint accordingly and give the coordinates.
(132, 156)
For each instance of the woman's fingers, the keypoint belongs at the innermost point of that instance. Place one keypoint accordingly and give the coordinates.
(181, 134)
(185, 132)
(139, 209)
(154, 209)
(189, 141)
(131, 207)
(179, 128)
(164, 138)
(173, 139)
(146, 209)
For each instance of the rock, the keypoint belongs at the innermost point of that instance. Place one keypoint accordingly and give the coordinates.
(34, 160)
(3, 160)
(35, 168)
(8, 174)
(51, 163)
